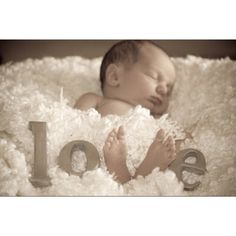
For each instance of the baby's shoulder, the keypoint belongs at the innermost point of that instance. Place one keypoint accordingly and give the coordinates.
(88, 100)
(91, 95)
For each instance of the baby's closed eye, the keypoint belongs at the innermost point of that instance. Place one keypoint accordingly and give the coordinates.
(153, 76)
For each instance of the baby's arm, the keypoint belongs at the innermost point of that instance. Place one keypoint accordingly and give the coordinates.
(86, 101)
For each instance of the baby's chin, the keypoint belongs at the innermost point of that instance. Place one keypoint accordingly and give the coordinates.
(158, 111)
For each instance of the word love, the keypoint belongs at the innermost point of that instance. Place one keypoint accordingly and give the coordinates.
(40, 177)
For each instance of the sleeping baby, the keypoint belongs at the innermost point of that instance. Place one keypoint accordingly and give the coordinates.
(134, 73)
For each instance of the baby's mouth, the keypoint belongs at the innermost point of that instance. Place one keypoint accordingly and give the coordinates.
(155, 100)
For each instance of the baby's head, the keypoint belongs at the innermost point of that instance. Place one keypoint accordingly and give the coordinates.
(138, 72)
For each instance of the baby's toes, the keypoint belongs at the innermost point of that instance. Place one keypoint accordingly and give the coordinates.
(107, 146)
(111, 139)
(160, 136)
(120, 133)
(172, 154)
(170, 146)
(170, 143)
(112, 133)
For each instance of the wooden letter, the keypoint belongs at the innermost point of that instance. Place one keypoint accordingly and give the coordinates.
(179, 165)
(40, 177)
(92, 155)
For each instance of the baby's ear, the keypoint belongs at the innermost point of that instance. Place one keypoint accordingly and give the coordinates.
(112, 77)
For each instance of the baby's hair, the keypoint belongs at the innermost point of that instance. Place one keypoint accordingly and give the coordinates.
(123, 51)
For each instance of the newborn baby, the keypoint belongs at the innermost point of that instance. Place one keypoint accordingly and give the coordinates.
(134, 73)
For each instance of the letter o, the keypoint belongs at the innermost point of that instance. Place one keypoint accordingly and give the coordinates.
(65, 156)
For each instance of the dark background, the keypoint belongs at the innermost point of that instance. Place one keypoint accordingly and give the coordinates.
(18, 50)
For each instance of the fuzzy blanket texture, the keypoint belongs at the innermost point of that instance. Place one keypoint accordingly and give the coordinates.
(203, 104)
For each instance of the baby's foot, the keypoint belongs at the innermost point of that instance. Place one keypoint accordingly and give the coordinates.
(160, 154)
(115, 155)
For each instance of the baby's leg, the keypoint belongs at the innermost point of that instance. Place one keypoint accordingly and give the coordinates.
(115, 155)
(159, 155)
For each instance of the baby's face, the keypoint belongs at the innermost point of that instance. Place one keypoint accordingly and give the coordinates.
(149, 81)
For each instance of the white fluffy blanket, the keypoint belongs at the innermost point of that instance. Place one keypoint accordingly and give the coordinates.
(203, 103)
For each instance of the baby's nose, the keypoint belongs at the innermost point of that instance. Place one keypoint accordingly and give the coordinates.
(162, 88)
